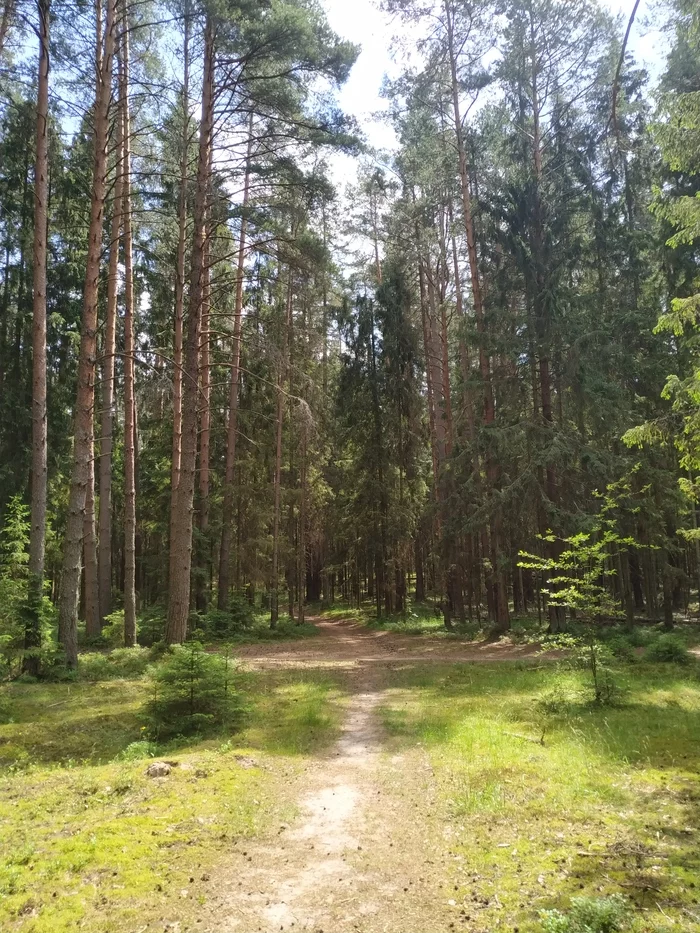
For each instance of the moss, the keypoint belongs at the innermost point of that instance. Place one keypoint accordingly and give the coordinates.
(91, 842)
(609, 804)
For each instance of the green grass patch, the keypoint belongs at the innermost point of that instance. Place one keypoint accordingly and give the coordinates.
(418, 619)
(608, 805)
(90, 842)
(287, 630)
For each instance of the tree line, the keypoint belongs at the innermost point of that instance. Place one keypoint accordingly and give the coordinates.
(222, 378)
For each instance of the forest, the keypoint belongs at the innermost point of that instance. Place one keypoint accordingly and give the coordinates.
(280, 409)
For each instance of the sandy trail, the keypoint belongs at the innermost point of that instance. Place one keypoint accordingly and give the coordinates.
(344, 643)
(353, 860)
(304, 879)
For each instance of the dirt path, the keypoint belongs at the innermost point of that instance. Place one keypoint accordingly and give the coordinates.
(306, 878)
(345, 643)
(361, 856)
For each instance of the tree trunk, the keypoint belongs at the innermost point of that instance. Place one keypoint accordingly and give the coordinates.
(129, 349)
(8, 12)
(37, 538)
(180, 262)
(107, 414)
(498, 588)
(230, 466)
(279, 423)
(203, 575)
(83, 433)
(91, 595)
(182, 506)
(301, 553)
(420, 581)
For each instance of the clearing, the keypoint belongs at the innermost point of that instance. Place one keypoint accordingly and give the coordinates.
(383, 783)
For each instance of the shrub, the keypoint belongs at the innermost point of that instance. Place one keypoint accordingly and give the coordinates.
(286, 628)
(137, 751)
(193, 691)
(225, 623)
(668, 648)
(593, 656)
(151, 625)
(6, 712)
(122, 662)
(588, 915)
(112, 635)
(14, 558)
(559, 700)
(622, 648)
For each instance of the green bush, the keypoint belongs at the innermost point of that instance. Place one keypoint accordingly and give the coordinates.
(225, 623)
(622, 648)
(112, 635)
(668, 648)
(120, 663)
(151, 625)
(286, 628)
(588, 915)
(589, 654)
(193, 691)
(14, 577)
(136, 751)
(6, 712)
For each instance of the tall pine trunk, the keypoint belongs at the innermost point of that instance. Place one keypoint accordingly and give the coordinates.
(180, 262)
(203, 574)
(129, 349)
(230, 465)
(301, 551)
(83, 431)
(91, 596)
(182, 505)
(277, 482)
(499, 600)
(107, 414)
(37, 538)
(8, 13)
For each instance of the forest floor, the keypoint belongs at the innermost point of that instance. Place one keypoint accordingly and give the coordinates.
(383, 783)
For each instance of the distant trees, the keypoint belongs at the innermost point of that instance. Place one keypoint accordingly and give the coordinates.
(220, 380)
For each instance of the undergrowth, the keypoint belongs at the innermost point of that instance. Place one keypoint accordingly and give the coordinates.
(80, 817)
(547, 796)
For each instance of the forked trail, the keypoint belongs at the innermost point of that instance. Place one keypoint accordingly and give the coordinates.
(363, 851)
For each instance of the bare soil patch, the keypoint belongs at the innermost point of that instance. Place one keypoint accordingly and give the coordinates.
(363, 853)
(346, 643)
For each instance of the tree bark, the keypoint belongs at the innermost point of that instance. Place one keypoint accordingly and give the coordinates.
(301, 551)
(107, 414)
(91, 597)
(232, 435)
(83, 433)
(279, 424)
(182, 506)
(37, 538)
(8, 12)
(498, 587)
(129, 349)
(203, 576)
(180, 262)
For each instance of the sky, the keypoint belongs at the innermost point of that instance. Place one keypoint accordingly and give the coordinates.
(362, 22)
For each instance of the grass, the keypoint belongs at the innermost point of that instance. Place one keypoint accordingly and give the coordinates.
(90, 842)
(419, 619)
(609, 804)
(287, 630)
